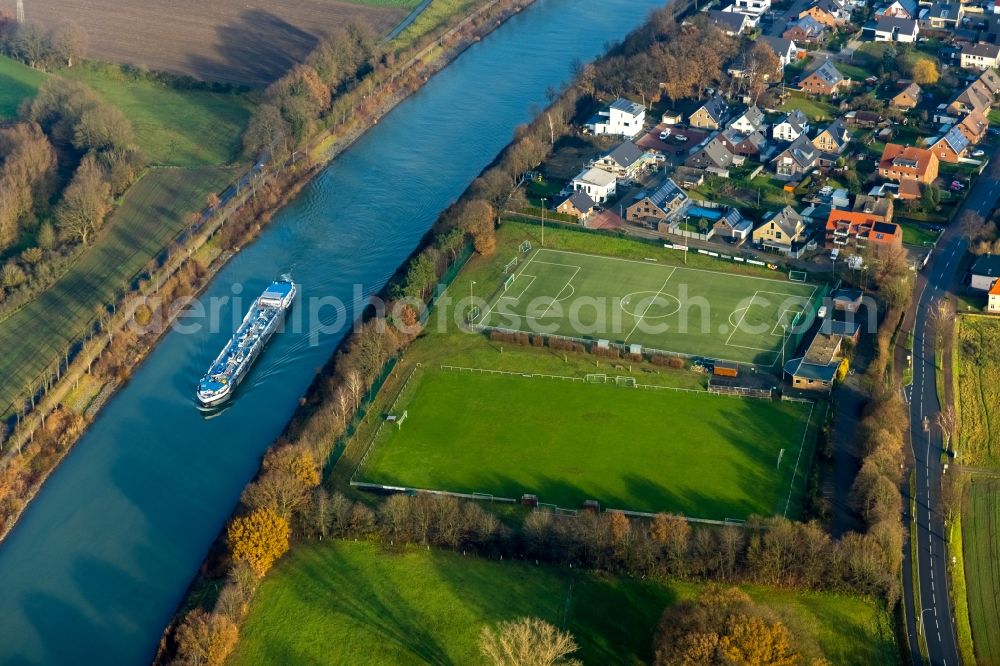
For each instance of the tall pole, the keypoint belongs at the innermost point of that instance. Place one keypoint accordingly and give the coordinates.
(471, 303)
(20, 11)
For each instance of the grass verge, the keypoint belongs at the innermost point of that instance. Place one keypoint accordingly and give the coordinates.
(17, 83)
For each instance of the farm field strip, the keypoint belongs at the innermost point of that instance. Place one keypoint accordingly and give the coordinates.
(691, 452)
(150, 215)
(667, 308)
(981, 544)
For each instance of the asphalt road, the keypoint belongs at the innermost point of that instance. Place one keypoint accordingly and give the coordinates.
(932, 618)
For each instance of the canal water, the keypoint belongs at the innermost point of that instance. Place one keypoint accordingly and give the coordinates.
(101, 558)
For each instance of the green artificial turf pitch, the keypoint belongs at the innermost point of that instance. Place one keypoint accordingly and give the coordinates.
(667, 308)
(690, 452)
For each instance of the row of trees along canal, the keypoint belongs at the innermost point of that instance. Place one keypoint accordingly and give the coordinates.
(346, 84)
(288, 501)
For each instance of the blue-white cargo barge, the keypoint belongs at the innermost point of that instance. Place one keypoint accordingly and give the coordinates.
(233, 363)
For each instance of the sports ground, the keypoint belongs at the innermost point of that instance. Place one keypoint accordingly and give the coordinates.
(643, 449)
(666, 308)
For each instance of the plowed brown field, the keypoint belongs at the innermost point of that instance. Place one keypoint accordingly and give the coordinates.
(233, 41)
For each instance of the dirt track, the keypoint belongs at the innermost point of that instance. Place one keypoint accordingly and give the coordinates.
(215, 40)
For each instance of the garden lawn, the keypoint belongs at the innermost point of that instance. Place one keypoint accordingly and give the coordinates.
(151, 214)
(695, 453)
(17, 83)
(981, 546)
(172, 126)
(336, 602)
(815, 110)
(918, 234)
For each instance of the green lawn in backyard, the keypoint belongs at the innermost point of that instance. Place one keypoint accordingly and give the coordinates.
(815, 109)
(918, 234)
(336, 602)
(151, 214)
(653, 450)
(981, 547)
(17, 83)
(668, 308)
(172, 126)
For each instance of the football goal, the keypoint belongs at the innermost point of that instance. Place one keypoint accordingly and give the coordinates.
(508, 282)
(797, 276)
(525, 247)
(473, 314)
(511, 265)
(626, 381)
(596, 379)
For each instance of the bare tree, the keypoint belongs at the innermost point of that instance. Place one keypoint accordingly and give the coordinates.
(69, 42)
(355, 385)
(947, 421)
(527, 642)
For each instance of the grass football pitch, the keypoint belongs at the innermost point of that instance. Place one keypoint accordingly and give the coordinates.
(667, 308)
(339, 602)
(690, 452)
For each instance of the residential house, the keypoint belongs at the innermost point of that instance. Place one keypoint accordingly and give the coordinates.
(974, 127)
(901, 163)
(780, 231)
(597, 183)
(713, 156)
(847, 300)
(795, 161)
(976, 97)
(980, 55)
(709, 115)
(849, 230)
(942, 15)
(865, 119)
(785, 49)
(806, 30)
(985, 273)
(731, 23)
(622, 118)
(907, 9)
(658, 207)
(952, 146)
(991, 81)
(824, 80)
(830, 13)
(894, 29)
(753, 144)
(624, 161)
(908, 98)
(791, 127)
(753, 7)
(832, 141)
(733, 226)
(577, 204)
(880, 208)
(993, 301)
(750, 121)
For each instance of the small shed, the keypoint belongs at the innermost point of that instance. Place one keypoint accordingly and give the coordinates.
(592, 505)
(529, 500)
(726, 369)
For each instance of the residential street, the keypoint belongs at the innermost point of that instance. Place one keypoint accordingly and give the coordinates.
(933, 616)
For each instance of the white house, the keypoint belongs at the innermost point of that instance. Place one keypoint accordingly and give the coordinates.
(597, 183)
(980, 56)
(893, 29)
(750, 121)
(754, 7)
(622, 118)
(791, 127)
(785, 49)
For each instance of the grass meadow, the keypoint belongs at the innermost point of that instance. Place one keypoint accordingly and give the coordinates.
(981, 546)
(151, 213)
(336, 602)
(652, 450)
(978, 385)
(17, 83)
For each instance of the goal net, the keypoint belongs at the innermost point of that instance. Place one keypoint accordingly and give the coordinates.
(402, 417)
(511, 265)
(508, 282)
(797, 276)
(525, 247)
(473, 313)
(626, 381)
(596, 379)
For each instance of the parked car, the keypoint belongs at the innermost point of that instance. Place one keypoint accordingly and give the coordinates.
(978, 153)
(664, 134)
(680, 138)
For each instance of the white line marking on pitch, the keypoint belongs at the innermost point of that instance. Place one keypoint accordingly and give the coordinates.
(651, 301)
(744, 316)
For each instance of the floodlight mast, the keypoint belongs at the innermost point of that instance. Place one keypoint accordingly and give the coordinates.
(20, 11)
